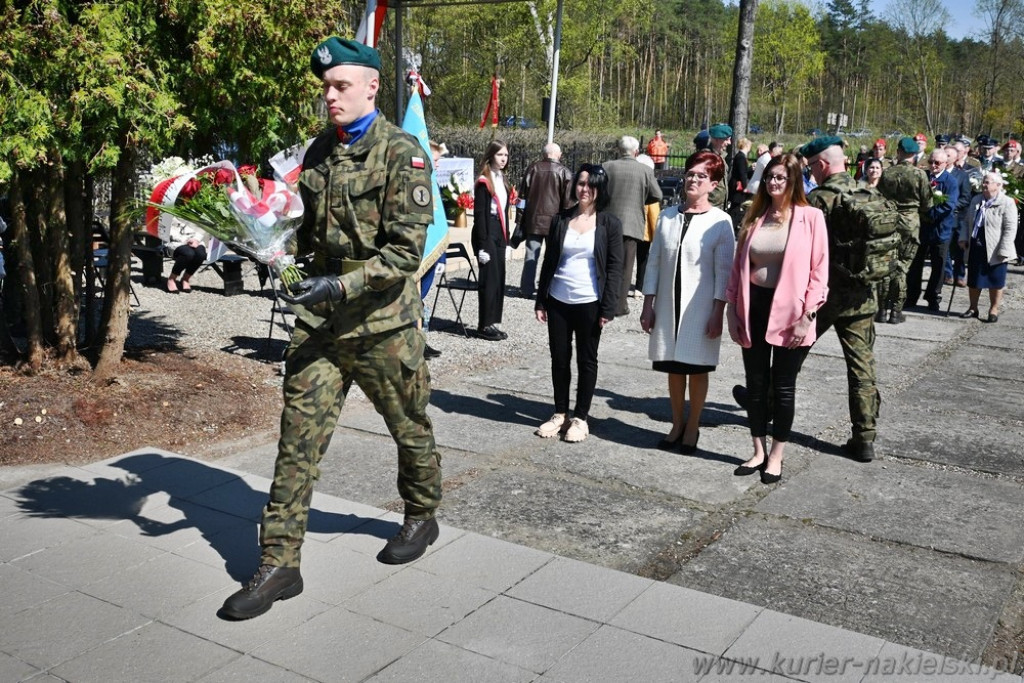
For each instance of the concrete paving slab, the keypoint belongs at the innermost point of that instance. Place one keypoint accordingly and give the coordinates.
(147, 654)
(985, 396)
(608, 525)
(484, 562)
(980, 518)
(611, 654)
(877, 588)
(418, 601)
(78, 563)
(580, 589)
(436, 661)
(143, 588)
(23, 590)
(248, 669)
(897, 661)
(82, 621)
(699, 621)
(721, 670)
(199, 618)
(986, 361)
(519, 633)
(339, 645)
(13, 669)
(975, 442)
(24, 535)
(791, 646)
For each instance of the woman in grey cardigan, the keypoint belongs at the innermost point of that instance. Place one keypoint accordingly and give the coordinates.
(988, 230)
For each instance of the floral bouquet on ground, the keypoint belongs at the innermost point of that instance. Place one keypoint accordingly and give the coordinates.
(455, 200)
(256, 215)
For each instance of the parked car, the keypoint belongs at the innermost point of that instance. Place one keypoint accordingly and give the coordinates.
(858, 133)
(815, 132)
(894, 134)
(518, 122)
(755, 129)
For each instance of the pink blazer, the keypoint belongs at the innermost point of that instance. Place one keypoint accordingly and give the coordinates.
(803, 280)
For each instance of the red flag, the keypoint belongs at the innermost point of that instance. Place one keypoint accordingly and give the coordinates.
(492, 104)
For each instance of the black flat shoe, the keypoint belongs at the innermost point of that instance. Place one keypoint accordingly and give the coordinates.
(969, 313)
(687, 449)
(770, 478)
(670, 444)
(743, 470)
(992, 318)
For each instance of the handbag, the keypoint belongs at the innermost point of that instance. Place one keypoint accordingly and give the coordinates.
(518, 237)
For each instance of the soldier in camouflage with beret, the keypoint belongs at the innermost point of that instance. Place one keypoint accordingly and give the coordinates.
(365, 185)
(910, 188)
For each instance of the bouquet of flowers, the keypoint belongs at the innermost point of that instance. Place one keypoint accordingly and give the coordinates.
(464, 201)
(938, 197)
(1013, 186)
(455, 200)
(236, 207)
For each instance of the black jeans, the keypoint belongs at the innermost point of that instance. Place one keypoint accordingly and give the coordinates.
(564, 321)
(188, 259)
(937, 254)
(769, 368)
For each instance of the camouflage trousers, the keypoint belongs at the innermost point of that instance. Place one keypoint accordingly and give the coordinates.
(319, 371)
(892, 291)
(856, 332)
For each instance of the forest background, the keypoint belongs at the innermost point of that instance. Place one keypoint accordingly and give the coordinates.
(93, 93)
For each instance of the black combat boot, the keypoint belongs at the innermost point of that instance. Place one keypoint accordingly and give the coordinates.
(267, 585)
(411, 542)
(896, 317)
(861, 451)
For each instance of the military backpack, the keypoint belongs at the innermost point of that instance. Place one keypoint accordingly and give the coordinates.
(865, 230)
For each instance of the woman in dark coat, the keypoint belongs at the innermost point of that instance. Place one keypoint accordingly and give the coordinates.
(491, 198)
(578, 295)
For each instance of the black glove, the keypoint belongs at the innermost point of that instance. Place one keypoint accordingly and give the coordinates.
(315, 290)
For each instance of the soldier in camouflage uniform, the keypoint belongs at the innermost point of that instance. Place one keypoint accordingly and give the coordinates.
(365, 185)
(720, 137)
(851, 306)
(909, 187)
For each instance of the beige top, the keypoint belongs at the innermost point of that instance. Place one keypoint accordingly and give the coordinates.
(767, 247)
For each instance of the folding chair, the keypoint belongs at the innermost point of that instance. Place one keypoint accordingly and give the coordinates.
(463, 285)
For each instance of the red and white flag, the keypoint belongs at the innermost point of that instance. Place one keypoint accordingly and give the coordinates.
(373, 19)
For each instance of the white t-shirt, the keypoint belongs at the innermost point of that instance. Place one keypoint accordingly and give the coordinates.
(755, 180)
(575, 280)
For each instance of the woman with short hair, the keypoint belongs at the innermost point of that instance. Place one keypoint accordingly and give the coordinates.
(987, 232)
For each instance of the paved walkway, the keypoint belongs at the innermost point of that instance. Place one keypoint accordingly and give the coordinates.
(114, 572)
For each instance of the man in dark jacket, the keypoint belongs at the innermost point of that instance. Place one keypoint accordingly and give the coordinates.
(936, 232)
(546, 189)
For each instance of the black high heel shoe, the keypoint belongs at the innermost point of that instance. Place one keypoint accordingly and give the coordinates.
(743, 470)
(687, 449)
(669, 444)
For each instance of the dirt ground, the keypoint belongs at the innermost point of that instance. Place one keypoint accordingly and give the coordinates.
(165, 399)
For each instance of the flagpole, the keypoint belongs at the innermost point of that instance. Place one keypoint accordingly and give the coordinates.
(554, 74)
(399, 71)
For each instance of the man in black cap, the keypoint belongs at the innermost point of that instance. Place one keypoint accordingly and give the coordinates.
(851, 305)
(365, 186)
(989, 159)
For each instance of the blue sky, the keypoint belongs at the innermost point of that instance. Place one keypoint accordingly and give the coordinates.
(964, 22)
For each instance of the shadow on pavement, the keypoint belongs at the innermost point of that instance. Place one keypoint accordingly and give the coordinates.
(197, 490)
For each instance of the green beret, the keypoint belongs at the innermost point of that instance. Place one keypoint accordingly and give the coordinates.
(335, 51)
(908, 145)
(720, 131)
(819, 145)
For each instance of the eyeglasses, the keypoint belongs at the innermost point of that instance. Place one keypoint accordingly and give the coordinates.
(778, 178)
(696, 176)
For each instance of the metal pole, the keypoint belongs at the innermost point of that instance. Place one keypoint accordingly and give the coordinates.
(399, 75)
(554, 73)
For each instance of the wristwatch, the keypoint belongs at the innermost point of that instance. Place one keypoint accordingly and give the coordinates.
(812, 315)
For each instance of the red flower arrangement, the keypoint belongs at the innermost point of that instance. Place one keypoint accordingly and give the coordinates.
(464, 201)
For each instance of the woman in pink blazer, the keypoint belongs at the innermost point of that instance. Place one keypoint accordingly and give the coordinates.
(779, 281)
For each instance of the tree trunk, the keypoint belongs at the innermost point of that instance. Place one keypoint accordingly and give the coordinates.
(62, 279)
(114, 322)
(26, 275)
(739, 109)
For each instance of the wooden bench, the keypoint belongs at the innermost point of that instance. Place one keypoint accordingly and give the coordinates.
(229, 267)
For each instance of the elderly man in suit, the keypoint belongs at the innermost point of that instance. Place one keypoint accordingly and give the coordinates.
(936, 233)
(631, 186)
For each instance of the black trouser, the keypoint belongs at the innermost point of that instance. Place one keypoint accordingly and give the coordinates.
(643, 250)
(767, 368)
(187, 259)
(937, 253)
(564, 321)
(629, 247)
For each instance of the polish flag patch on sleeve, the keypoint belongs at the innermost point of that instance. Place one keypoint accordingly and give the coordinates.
(417, 162)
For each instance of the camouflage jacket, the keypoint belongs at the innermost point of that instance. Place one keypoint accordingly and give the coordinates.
(367, 207)
(849, 297)
(909, 187)
(720, 195)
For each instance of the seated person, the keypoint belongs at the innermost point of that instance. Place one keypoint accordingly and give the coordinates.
(185, 244)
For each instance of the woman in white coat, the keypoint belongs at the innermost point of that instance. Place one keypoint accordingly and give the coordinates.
(684, 295)
(988, 228)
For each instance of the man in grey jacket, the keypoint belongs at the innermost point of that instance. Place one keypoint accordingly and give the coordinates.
(546, 189)
(631, 187)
